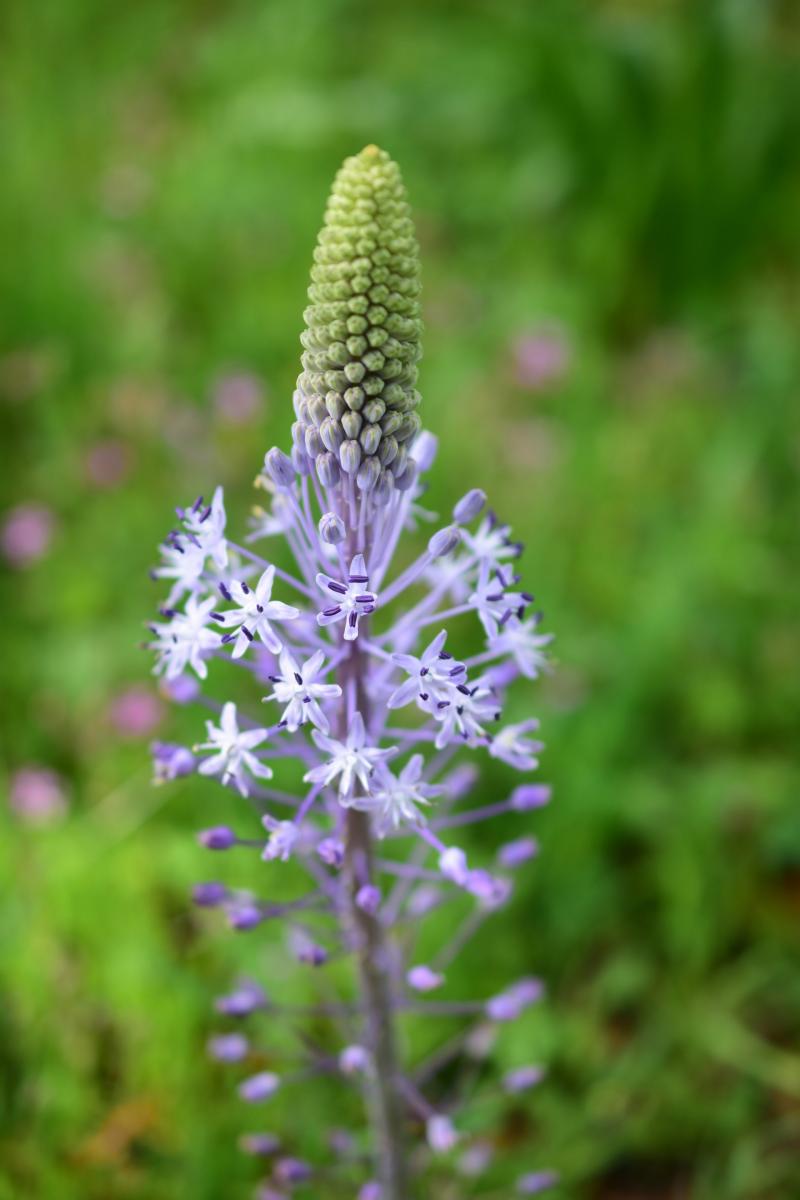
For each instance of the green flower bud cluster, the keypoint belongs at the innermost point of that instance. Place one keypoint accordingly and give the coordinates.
(356, 398)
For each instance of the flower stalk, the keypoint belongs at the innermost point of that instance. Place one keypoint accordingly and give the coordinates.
(371, 701)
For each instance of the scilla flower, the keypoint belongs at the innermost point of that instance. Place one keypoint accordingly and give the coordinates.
(373, 678)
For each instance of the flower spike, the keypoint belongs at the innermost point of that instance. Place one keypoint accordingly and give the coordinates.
(374, 701)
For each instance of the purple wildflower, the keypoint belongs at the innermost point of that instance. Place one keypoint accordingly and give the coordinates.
(26, 533)
(372, 691)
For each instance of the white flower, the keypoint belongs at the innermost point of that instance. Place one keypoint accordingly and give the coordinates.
(185, 640)
(350, 760)
(511, 746)
(253, 614)
(433, 676)
(182, 562)
(491, 543)
(352, 599)
(233, 757)
(395, 799)
(282, 837)
(185, 550)
(520, 640)
(278, 520)
(493, 602)
(297, 688)
(205, 528)
(463, 717)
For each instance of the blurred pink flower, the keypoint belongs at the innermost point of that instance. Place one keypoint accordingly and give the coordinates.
(107, 463)
(26, 534)
(36, 794)
(237, 397)
(541, 356)
(135, 712)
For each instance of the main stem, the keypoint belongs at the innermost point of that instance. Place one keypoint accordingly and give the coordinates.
(375, 967)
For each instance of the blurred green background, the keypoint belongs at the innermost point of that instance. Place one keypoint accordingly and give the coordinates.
(607, 196)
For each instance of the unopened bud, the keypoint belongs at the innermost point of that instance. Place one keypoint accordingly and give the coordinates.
(350, 456)
(444, 541)
(279, 467)
(368, 474)
(469, 506)
(331, 529)
(327, 470)
(408, 478)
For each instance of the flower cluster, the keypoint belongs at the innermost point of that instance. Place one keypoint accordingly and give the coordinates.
(365, 692)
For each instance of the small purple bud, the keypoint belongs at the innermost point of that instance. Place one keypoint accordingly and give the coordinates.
(350, 456)
(300, 460)
(441, 1133)
(220, 837)
(228, 1047)
(370, 1191)
(536, 1182)
(469, 506)
(409, 477)
(245, 999)
(209, 895)
(259, 1087)
(244, 915)
(331, 851)
(528, 796)
(423, 979)
(354, 1060)
(523, 1078)
(261, 1144)
(514, 854)
(444, 541)
(171, 761)
(268, 1192)
(331, 529)
(292, 1170)
(328, 469)
(368, 898)
(311, 954)
(508, 1005)
(490, 891)
(279, 467)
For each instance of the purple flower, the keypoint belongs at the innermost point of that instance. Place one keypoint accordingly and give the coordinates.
(541, 357)
(36, 794)
(26, 534)
(135, 712)
(107, 463)
(237, 397)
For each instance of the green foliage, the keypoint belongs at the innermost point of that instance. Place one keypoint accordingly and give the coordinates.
(610, 185)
